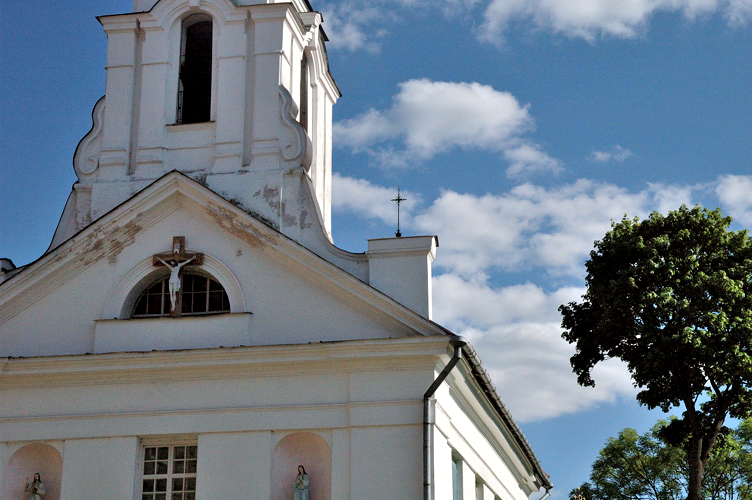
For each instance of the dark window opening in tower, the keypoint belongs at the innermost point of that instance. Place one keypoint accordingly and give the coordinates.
(304, 93)
(194, 87)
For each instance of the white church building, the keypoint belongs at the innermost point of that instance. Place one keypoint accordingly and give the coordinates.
(192, 333)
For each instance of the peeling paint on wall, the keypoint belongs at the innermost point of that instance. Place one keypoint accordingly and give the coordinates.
(110, 242)
(243, 230)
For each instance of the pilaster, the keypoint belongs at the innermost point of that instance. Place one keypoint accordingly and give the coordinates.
(122, 35)
(155, 72)
(468, 482)
(341, 464)
(231, 78)
(269, 28)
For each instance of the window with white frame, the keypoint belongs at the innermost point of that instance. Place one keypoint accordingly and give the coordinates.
(169, 472)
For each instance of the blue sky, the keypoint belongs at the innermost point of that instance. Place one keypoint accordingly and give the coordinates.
(517, 129)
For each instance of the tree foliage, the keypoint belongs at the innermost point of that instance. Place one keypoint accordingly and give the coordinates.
(645, 467)
(671, 296)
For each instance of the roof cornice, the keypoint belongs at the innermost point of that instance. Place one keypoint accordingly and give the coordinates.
(220, 362)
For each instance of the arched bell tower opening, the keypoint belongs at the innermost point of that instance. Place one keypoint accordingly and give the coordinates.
(195, 78)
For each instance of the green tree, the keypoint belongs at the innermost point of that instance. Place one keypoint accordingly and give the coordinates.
(582, 492)
(646, 467)
(671, 296)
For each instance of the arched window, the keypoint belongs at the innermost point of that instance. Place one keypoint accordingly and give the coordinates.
(198, 295)
(194, 83)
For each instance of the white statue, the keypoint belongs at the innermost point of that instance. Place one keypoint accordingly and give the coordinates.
(301, 484)
(174, 282)
(34, 490)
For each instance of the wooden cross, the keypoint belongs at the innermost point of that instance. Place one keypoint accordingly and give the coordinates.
(178, 254)
(175, 260)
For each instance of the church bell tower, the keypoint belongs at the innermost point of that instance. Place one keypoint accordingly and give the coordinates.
(235, 94)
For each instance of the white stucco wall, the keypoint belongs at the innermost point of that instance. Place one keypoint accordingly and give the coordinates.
(233, 465)
(288, 303)
(100, 468)
(396, 478)
(367, 410)
(401, 268)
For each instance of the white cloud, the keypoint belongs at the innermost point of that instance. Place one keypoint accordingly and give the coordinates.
(529, 226)
(350, 27)
(516, 331)
(616, 153)
(739, 12)
(669, 197)
(516, 327)
(529, 158)
(589, 19)
(529, 364)
(735, 194)
(357, 25)
(370, 200)
(428, 118)
(461, 302)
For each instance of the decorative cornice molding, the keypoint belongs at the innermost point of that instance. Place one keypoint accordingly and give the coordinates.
(222, 362)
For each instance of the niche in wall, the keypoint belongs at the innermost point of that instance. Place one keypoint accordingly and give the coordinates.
(311, 451)
(35, 457)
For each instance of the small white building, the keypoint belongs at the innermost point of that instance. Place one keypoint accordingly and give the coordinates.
(193, 333)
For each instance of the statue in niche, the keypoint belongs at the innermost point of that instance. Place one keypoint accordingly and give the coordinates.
(35, 489)
(174, 281)
(301, 484)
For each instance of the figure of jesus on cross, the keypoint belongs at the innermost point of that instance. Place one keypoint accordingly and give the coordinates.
(174, 281)
(175, 260)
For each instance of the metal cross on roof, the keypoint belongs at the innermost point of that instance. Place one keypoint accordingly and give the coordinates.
(399, 199)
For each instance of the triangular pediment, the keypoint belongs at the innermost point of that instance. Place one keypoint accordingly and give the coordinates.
(281, 292)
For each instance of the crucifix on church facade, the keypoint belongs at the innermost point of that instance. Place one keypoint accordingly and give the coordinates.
(175, 260)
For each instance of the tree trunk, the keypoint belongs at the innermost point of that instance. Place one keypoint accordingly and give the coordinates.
(696, 469)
